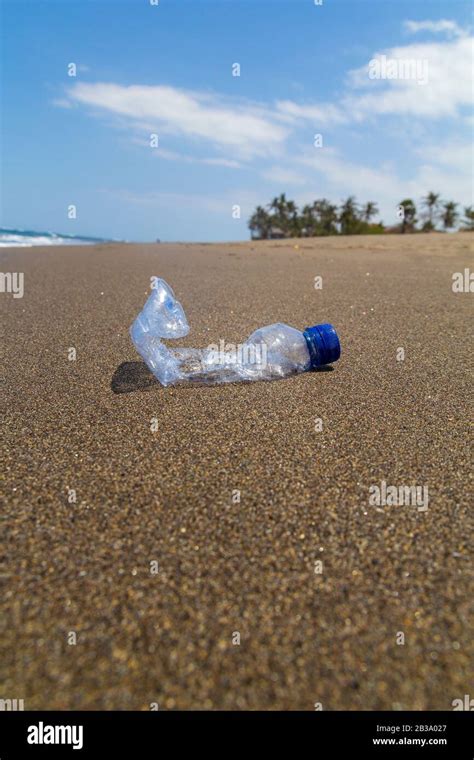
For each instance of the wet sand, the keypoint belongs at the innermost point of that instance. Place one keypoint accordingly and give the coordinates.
(169, 497)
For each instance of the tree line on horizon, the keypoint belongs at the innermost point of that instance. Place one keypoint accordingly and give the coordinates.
(281, 218)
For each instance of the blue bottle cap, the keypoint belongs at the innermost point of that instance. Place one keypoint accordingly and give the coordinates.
(323, 345)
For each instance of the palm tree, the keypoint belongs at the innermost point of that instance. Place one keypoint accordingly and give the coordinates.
(349, 217)
(449, 214)
(285, 216)
(409, 215)
(280, 213)
(468, 218)
(260, 224)
(431, 204)
(308, 221)
(370, 209)
(292, 219)
(319, 218)
(281, 218)
(277, 203)
(327, 216)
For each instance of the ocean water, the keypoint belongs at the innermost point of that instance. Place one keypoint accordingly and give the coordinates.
(26, 238)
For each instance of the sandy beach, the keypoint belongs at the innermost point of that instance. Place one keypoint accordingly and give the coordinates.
(309, 633)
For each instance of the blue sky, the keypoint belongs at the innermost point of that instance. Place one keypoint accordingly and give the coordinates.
(224, 140)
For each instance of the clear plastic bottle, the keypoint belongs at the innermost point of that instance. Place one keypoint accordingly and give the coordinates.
(270, 353)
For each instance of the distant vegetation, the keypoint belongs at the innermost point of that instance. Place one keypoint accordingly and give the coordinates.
(282, 218)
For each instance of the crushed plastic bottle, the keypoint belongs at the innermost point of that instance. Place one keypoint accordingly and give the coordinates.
(270, 353)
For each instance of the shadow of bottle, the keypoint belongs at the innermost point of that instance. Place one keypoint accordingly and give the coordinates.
(132, 376)
(135, 376)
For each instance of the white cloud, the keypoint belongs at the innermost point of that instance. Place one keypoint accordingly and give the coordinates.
(246, 129)
(446, 92)
(62, 103)
(220, 204)
(220, 162)
(444, 26)
(456, 155)
(241, 131)
(284, 176)
(175, 200)
(445, 168)
(318, 113)
(345, 177)
(173, 155)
